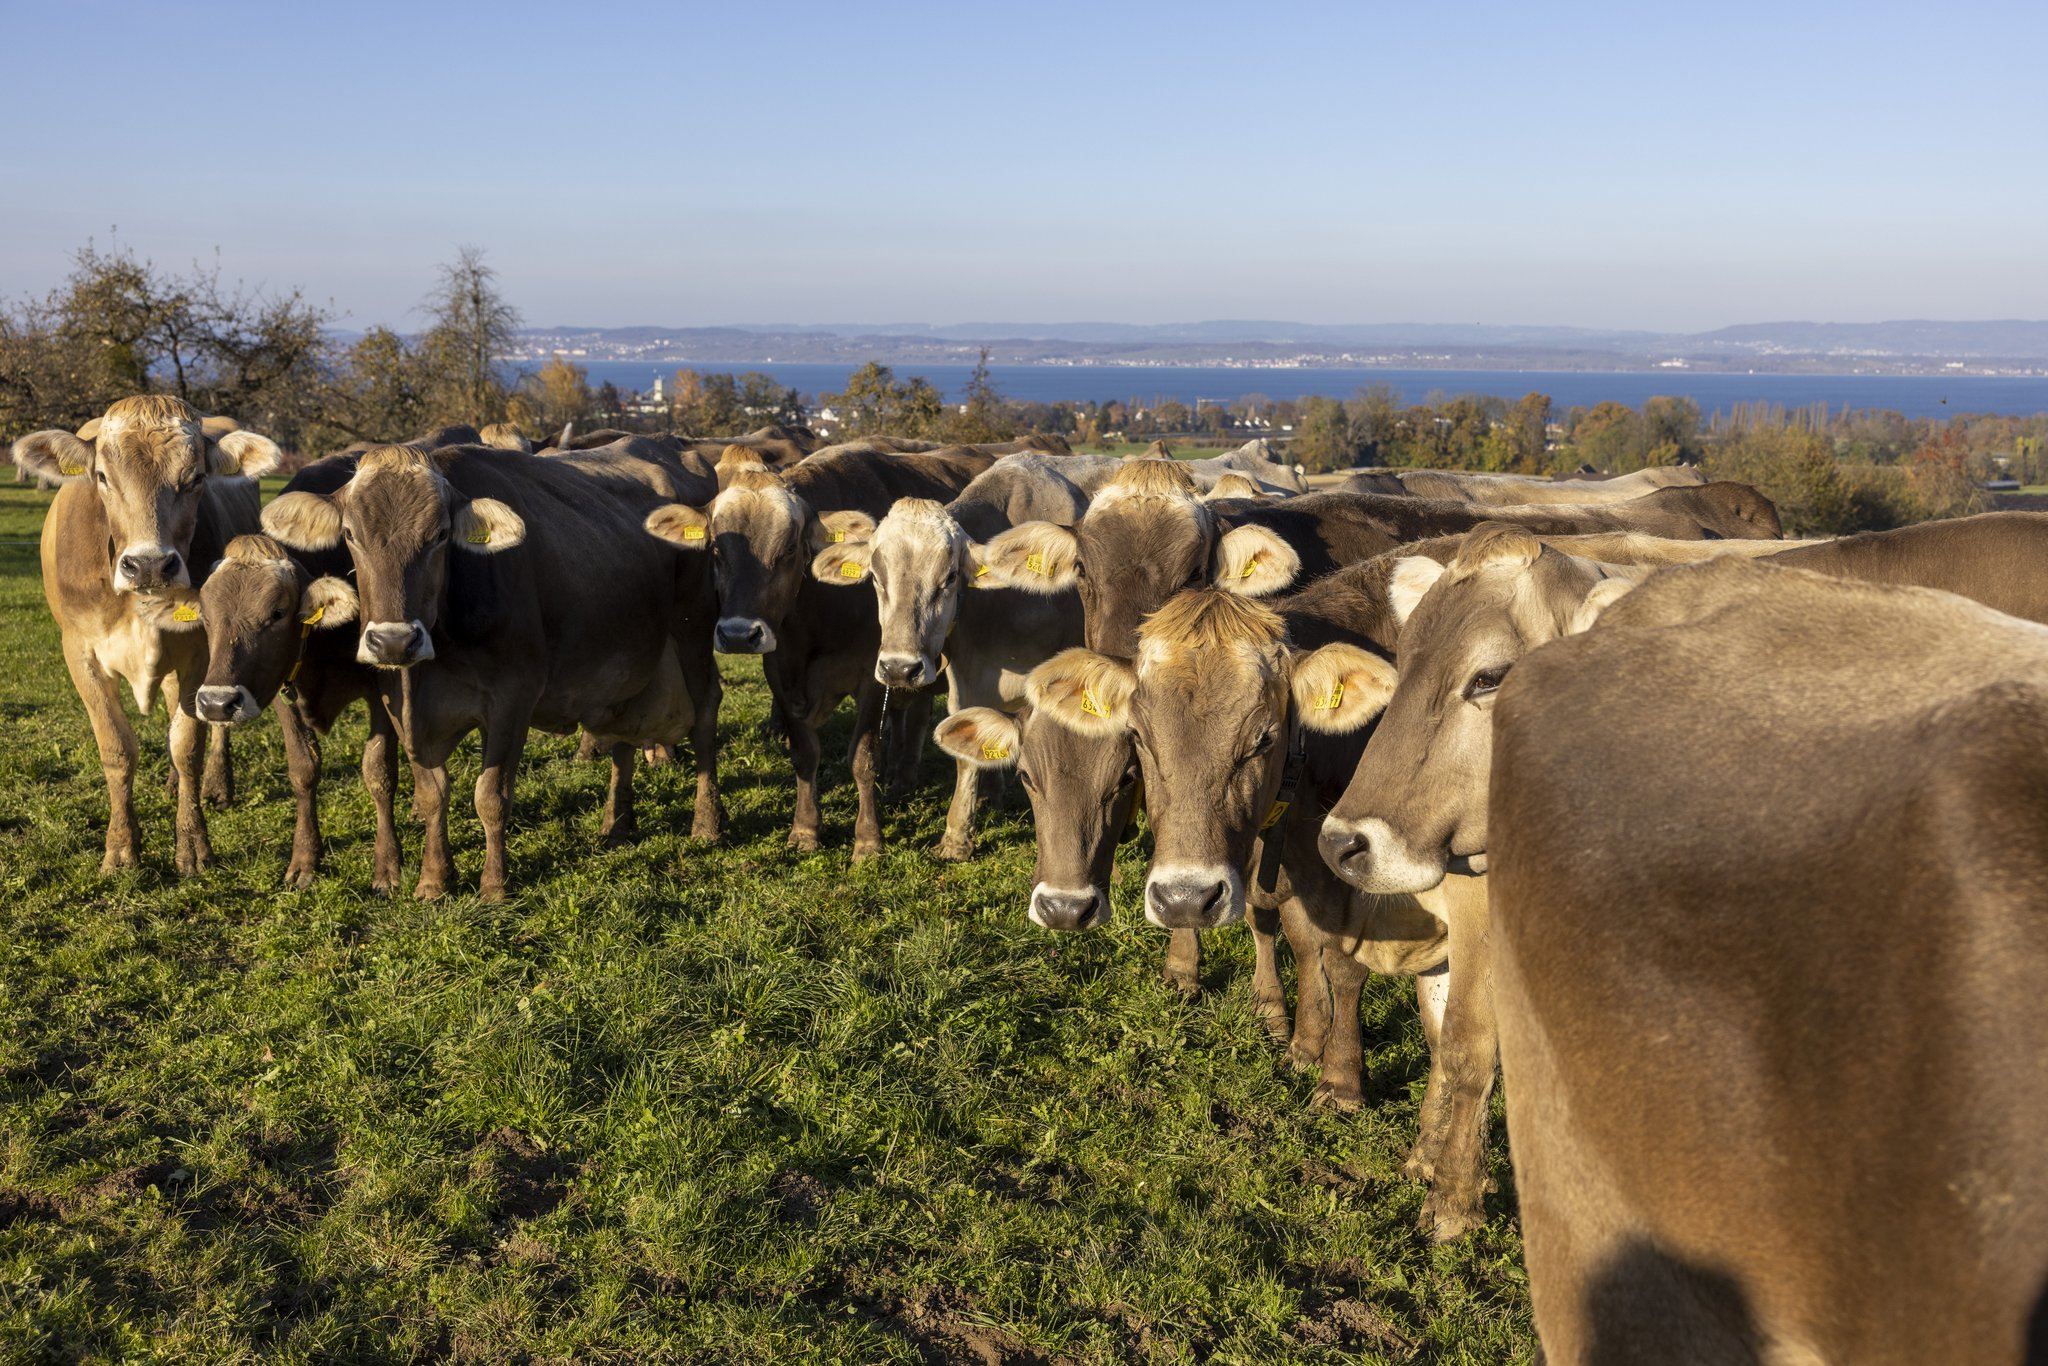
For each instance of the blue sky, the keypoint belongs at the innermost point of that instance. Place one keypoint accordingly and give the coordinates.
(1624, 165)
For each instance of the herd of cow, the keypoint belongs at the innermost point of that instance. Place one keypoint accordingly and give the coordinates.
(1744, 889)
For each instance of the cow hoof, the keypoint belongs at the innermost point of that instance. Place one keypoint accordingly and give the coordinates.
(1448, 1218)
(220, 796)
(954, 849)
(299, 875)
(1303, 1056)
(1273, 1014)
(429, 891)
(1186, 983)
(116, 860)
(804, 841)
(191, 862)
(620, 835)
(709, 828)
(863, 850)
(1344, 1100)
(1418, 1168)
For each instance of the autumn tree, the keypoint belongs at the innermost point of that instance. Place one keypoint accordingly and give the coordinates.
(1322, 440)
(874, 403)
(469, 325)
(981, 415)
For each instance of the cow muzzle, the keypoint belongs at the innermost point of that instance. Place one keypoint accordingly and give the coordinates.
(219, 704)
(743, 636)
(1194, 898)
(395, 644)
(1371, 857)
(904, 671)
(1059, 908)
(148, 569)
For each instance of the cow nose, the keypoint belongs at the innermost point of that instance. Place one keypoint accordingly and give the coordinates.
(1346, 850)
(743, 636)
(218, 703)
(1187, 903)
(900, 671)
(144, 570)
(390, 642)
(1057, 909)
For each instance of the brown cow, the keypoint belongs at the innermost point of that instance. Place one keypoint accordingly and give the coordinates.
(552, 611)
(1772, 983)
(149, 491)
(1514, 490)
(762, 532)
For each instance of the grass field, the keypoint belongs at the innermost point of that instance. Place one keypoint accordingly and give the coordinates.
(669, 1103)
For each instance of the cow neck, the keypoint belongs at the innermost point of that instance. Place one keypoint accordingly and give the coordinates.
(290, 689)
(1273, 829)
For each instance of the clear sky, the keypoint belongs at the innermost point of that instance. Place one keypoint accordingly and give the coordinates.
(1628, 165)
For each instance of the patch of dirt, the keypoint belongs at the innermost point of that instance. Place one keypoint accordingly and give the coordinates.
(1338, 1312)
(48, 1069)
(799, 1197)
(525, 1180)
(935, 1322)
(1349, 1178)
(19, 1206)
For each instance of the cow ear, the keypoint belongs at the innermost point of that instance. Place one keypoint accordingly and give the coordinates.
(175, 609)
(328, 602)
(304, 521)
(244, 453)
(1604, 595)
(485, 526)
(1038, 557)
(841, 528)
(1083, 691)
(981, 736)
(681, 525)
(53, 454)
(1251, 561)
(1412, 576)
(1340, 687)
(844, 565)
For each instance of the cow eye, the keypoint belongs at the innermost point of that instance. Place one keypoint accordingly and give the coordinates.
(1080, 570)
(1024, 777)
(1265, 743)
(348, 533)
(1486, 682)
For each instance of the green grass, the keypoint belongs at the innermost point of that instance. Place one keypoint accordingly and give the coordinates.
(668, 1104)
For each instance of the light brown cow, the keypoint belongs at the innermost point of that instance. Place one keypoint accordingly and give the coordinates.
(150, 490)
(1772, 983)
(1511, 490)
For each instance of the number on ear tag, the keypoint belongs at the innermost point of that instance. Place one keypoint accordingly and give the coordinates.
(849, 570)
(184, 611)
(1250, 567)
(1090, 705)
(1035, 562)
(72, 470)
(693, 533)
(1273, 816)
(479, 535)
(1332, 699)
(838, 537)
(992, 750)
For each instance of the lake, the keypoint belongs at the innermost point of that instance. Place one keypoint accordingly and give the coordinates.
(1913, 395)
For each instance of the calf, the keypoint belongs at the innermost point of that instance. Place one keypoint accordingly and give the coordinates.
(820, 644)
(149, 491)
(526, 589)
(933, 614)
(1772, 984)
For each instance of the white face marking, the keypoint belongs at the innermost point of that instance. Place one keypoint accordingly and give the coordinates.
(1388, 865)
(235, 703)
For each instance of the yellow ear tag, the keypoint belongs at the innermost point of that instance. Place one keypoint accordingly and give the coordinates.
(991, 750)
(1250, 567)
(1332, 699)
(693, 533)
(1035, 563)
(479, 535)
(1091, 706)
(1273, 816)
(838, 537)
(72, 470)
(849, 570)
(314, 620)
(184, 611)
(981, 571)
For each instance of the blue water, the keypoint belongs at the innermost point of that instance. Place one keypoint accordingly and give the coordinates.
(1913, 395)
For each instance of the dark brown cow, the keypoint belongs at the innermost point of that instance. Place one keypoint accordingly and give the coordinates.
(820, 643)
(552, 611)
(1772, 984)
(148, 494)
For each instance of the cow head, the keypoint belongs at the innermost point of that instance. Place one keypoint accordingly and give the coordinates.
(1145, 536)
(920, 560)
(148, 459)
(761, 538)
(1081, 784)
(398, 515)
(1416, 806)
(1209, 705)
(259, 607)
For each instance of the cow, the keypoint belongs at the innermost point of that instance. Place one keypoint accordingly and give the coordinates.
(499, 593)
(1512, 490)
(1772, 983)
(934, 617)
(505, 437)
(152, 493)
(761, 533)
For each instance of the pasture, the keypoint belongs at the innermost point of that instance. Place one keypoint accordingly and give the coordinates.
(668, 1103)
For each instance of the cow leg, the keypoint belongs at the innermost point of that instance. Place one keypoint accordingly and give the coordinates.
(957, 844)
(1344, 1049)
(302, 764)
(587, 748)
(1312, 989)
(906, 744)
(1470, 1047)
(1183, 967)
(867, 726)
(620, 821)
(219, 781)
(1268, 994)
(380, 780)
(503, 744)
(1432, 989)
(430, 804)
(707, 690)
(188, 747)
(116, 741)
